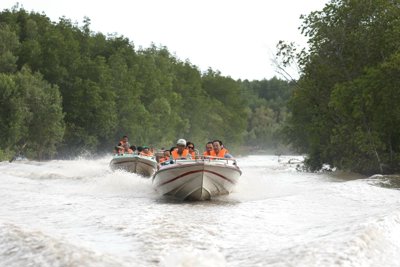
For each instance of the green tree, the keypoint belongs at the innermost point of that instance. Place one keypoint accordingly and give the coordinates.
(9, 45)
(108, 89)
(262, 127)
(228, 108)
(367, 138)
(346, 38)
(267, 101)
(13, 115)
(44, 117)
(31, 114)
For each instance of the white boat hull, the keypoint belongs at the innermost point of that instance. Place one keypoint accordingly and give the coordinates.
(146, 166)
(142, 165)
(197, 179)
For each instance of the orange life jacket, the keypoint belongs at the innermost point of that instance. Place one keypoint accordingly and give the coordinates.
(175, 154)
(163, 159)
(193, 154)
(221, 153)
(206, 154)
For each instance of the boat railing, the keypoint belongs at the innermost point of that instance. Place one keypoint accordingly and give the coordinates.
(124, 154)
(133, 155)
(228, 161)
(146, 157)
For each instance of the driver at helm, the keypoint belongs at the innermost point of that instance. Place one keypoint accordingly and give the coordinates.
(181, 152)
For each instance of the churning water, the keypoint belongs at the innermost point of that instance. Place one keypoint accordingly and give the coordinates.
(79, 213)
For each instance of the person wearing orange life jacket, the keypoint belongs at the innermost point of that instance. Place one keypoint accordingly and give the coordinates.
(146, 152)
(120, 148)
(165, 157)
(219, 152)
(127, 149)
(222, 146)
(194, 153)
(181, 152)
(209, 148)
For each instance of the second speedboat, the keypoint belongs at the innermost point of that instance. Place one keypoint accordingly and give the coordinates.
(142, 165)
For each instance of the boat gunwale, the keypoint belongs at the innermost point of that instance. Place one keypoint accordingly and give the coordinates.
(203, 169)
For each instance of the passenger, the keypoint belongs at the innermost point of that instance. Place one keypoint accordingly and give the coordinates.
(171, 159)
(194, 153)
(222, 146)
(181, 152)
(146, 152)
(119, 150)
(219, 152)
(123, 141)
(133, 147)
(209, 149)
(165, 157)
(127, 149)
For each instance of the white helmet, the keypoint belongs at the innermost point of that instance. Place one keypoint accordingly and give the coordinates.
(181, 142)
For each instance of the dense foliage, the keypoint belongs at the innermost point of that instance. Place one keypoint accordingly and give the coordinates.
(267, 112)
(346, 109)
(65, 89)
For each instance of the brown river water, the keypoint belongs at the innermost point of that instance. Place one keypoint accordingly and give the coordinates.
(80, 213)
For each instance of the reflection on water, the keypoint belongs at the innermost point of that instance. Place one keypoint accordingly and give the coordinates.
(79, 213)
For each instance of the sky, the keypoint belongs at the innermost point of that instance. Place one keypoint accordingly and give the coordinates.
(236, 37)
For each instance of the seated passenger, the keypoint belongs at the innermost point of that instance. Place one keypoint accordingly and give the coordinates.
(123, 141)
(146, 152)
(222, 146)
(219, 152)
(127, 149)
(194, 153)
(181, 152)
(165, 157)
(119, 150)
(209, 149)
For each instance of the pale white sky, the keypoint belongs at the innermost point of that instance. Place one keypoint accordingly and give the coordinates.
(236, 37)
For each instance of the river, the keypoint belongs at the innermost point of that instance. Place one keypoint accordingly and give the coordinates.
(79, 213)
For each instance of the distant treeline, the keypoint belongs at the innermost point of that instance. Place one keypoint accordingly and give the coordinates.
(346, 108)
(65, 89)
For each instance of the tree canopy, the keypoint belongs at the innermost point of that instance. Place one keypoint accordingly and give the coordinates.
(344, 111)
(65, 89)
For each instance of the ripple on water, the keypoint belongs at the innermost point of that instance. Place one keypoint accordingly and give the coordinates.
(79, 213)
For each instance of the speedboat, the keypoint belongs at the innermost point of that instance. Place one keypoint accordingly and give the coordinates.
(198, 179)
(142, 165)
